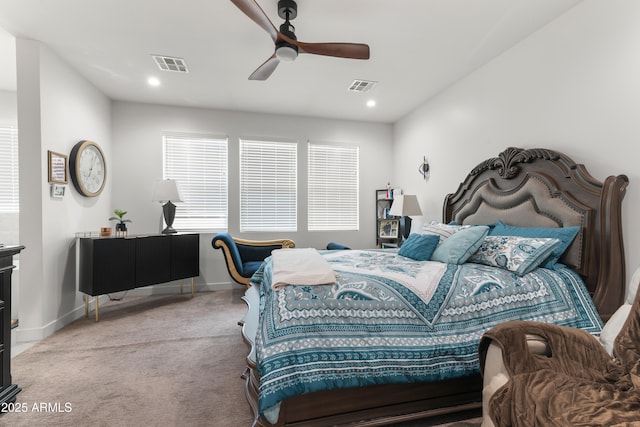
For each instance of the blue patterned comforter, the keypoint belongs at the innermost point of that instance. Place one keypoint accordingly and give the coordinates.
(390, 319)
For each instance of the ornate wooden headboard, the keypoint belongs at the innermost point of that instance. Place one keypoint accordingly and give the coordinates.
(545, 188)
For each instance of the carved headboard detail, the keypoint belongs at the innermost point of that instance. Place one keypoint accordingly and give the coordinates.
(545, 188)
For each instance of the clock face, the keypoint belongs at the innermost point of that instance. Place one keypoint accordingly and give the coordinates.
(88, 168)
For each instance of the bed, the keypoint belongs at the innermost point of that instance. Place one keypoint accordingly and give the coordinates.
(519, 188)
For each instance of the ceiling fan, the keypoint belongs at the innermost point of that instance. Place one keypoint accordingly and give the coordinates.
(287, 45)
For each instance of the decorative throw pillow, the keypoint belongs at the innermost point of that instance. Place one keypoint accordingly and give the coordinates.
(461, 245)
(419, 246)
(564, 234)
(444, 231)
(518, 254)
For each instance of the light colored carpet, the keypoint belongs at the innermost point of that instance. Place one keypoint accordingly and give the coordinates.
(166, 360)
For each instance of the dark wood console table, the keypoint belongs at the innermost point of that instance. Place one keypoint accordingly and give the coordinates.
(116, 264)
(8, 391)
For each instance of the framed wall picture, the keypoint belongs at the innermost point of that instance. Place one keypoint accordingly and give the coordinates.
(57, 191)
(388, 228)
(57, 168)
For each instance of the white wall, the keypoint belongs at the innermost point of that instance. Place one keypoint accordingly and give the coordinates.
(56, 109)
(573, 86)
(137, 150)
(8, 107)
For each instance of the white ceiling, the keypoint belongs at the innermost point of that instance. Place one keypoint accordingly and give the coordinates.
(418, 48)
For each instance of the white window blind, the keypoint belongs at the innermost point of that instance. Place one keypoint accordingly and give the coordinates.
(9, 174)
(333, 187)
(200, 167)
(268, 186)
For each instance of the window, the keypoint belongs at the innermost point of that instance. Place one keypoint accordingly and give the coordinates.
(9, 174)
(199, 164)
(268, 186)
(333, 187)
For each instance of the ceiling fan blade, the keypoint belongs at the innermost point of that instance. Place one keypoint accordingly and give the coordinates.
(341, 50)
(266, 69)
(255, 12)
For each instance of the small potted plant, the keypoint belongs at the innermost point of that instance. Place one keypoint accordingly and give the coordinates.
(121, 226)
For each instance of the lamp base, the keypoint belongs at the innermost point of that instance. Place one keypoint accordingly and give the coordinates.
(169, 230)
(405, 226)
(169, 212)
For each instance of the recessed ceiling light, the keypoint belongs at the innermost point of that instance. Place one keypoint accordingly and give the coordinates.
(371, 103)
(153, 81)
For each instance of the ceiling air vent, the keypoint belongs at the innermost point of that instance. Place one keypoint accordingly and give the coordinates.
(361, 86)
(169, 63)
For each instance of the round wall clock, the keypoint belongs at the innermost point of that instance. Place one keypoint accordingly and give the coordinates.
(88, 168)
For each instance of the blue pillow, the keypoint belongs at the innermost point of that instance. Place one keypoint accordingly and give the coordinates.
(419, 246)
(458, 248)
(518, 254)
(564, 234)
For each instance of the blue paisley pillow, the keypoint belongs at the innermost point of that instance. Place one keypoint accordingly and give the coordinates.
(518, 254)
(566, 235)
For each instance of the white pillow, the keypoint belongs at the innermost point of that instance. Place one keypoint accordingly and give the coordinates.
(443, 230)
(612, 328)
(632, 287)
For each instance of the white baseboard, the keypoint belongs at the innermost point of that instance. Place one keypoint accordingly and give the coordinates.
(174, 287)
(21, 335)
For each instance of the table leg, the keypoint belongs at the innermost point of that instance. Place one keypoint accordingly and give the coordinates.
(97, 305)
(193, 287)
(86, 306)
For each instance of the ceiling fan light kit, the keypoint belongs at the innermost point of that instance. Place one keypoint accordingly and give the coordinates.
(287, 46)
(286, 52)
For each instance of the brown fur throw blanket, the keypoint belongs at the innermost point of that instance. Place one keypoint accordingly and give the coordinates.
(578, 384)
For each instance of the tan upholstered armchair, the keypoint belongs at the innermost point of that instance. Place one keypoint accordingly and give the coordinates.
(568, 376)
(244, 257)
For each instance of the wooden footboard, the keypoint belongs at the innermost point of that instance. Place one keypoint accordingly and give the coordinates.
(366, 406)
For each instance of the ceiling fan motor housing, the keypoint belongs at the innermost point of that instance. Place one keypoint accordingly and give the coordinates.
(288, 30)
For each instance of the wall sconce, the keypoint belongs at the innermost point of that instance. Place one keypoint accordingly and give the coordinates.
(423, 169)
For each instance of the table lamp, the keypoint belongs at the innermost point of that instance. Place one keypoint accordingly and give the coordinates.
(167, 191)
(403, 206)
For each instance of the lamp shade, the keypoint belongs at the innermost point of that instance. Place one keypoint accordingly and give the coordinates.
(167, 191)
(405, 205)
